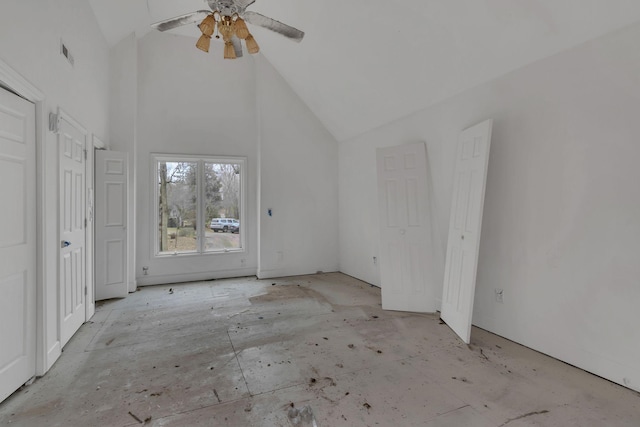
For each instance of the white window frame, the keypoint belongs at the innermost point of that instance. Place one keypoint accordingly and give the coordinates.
(200, 160)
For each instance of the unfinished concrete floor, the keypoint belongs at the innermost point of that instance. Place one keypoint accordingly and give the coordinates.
(240, 352)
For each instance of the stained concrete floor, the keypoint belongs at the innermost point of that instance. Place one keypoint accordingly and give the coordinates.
(241, 352)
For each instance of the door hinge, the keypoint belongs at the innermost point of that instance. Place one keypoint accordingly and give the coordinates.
(85, 154)
(85, 291)
(54, 122)
(85, 223)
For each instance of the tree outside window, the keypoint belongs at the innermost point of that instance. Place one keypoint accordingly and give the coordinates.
(193, 196)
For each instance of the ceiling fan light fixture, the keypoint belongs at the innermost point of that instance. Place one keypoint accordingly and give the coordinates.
(225, 28)
(227, 20)
(229, 50)
(204, 42)
(208, 25)
(241, 29)
(252, 44)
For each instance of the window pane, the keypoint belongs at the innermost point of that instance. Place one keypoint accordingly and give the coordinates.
(177, 196)
(222, 206)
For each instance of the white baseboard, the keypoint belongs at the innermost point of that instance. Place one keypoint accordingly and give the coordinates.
(286, 272)
(52, 356)
(193, 277)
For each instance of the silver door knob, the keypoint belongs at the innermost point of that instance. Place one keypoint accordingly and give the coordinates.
(65, 243)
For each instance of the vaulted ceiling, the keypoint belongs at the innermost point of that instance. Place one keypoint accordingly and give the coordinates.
(365, 63)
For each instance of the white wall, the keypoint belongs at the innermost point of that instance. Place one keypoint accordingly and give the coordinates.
(30, 34)
(561, 229)
(298, 182)
(373, 62)
(123, 118)
(190, 102)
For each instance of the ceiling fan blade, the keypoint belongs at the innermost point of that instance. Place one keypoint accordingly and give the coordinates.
(237, 45)
(178, 21)
(273, 25)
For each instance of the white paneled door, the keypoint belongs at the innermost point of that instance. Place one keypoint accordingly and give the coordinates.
(465, 224)
(72, 273)
(111, 225)
(17, 242)
(408, 267)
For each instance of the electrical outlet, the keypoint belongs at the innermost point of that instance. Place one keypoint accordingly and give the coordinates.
(499, 295)
(145, 270)
(375, 260)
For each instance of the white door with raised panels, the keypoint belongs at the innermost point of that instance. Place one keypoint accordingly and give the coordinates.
(72, 141)
(111, 225)
(465, 224)
(17, 242)
(408, 265)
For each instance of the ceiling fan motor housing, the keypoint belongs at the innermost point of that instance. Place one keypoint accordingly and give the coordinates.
(225, 7)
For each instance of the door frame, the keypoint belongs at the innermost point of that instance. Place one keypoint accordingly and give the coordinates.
(21, 86)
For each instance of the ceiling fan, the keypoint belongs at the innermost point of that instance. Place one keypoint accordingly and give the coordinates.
(228, 18)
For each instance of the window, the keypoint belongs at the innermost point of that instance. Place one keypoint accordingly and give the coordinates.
(199, 202)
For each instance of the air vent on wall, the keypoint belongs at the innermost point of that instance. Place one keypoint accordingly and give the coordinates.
(64, 50)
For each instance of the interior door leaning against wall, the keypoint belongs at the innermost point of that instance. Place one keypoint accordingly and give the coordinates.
(409, 262)
(111, 225)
